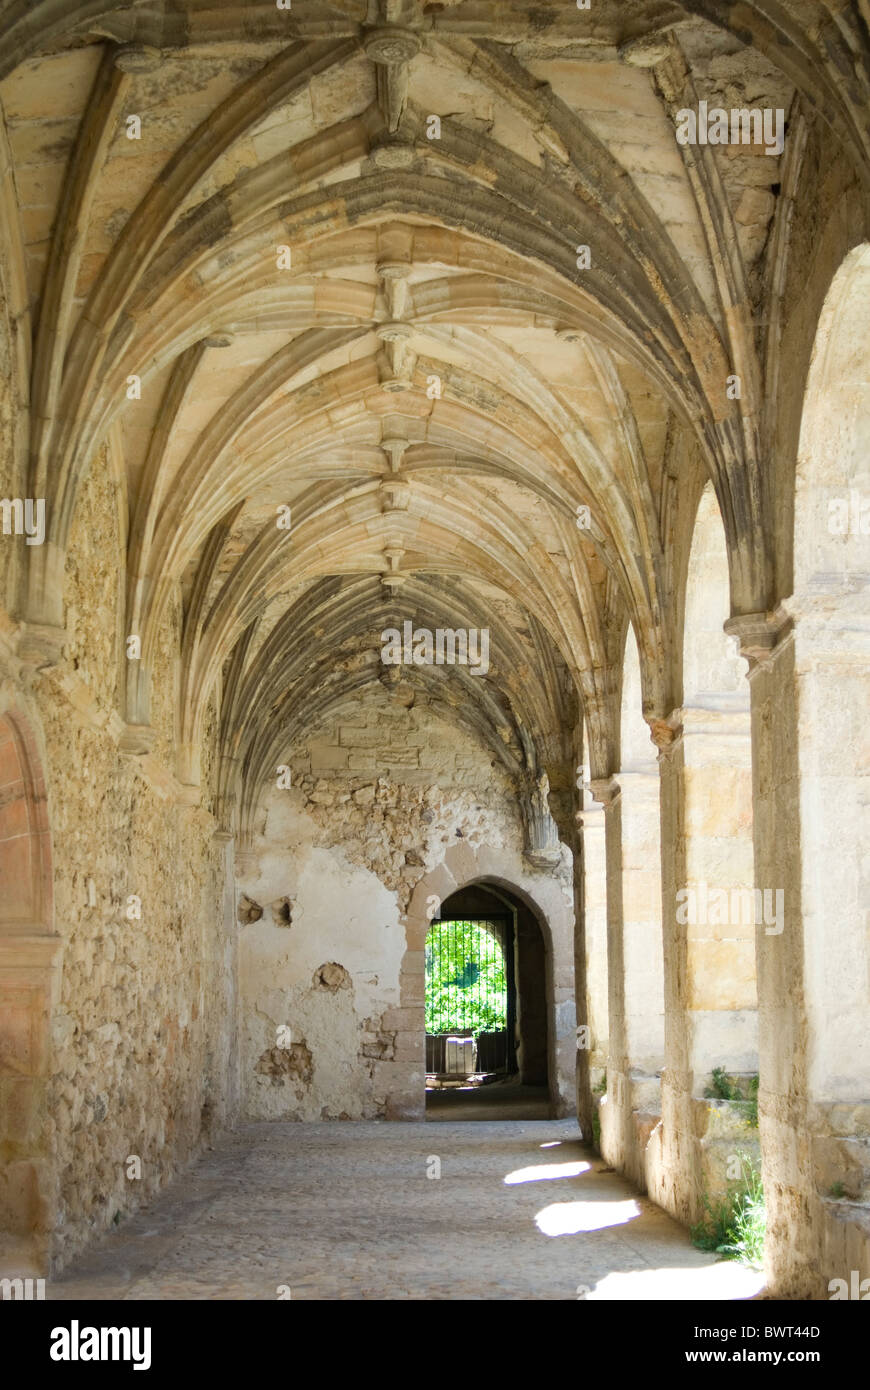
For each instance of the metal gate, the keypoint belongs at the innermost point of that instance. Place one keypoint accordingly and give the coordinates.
(466, 998)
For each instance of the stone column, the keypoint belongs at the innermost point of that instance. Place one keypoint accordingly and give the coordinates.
(642, 935)
(810, 713)
(708, 906)
(634, 1033)
(675, 1184)
(611, 1111)
(591, 957)
(642, 954)
(793, 1232)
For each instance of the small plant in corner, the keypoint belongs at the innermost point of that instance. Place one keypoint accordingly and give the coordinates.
(752, 1102)
(720, 1087)
(735, 1226)
(836, 1190)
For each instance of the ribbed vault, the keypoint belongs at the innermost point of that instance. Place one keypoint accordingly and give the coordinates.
(482, 362)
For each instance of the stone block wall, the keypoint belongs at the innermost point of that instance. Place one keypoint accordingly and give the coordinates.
(137, 1027)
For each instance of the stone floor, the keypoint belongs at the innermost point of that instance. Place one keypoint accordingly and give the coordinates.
(502, 1100)
(347, 1211)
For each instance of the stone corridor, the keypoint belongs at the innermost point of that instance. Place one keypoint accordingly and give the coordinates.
(520, 1211)
(434, 644)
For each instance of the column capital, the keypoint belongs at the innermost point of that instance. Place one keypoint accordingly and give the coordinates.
(605, 789)
(666, 733)
(759, 634)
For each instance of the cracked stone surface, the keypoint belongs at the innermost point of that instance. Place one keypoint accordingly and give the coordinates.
(520, 1211)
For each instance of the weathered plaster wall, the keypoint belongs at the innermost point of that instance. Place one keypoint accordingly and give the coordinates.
(379, 794)
(328, 974)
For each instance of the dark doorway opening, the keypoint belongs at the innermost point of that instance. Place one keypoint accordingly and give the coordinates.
(486, 1008)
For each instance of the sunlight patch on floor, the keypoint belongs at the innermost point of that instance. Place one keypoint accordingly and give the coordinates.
(568, 1218)
(723, 1280)
(541, 1172)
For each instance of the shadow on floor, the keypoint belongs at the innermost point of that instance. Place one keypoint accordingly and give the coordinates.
(500, 1100)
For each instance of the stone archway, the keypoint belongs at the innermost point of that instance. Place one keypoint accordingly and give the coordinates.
(811, 710)
(830, 652)
(830, 610)
(462, 866)
(29, 958)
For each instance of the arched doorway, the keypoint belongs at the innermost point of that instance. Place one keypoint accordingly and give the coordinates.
(486, 1007)
(550, 908)
(28, 957)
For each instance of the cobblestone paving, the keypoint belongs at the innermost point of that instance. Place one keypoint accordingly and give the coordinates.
(346, 1211)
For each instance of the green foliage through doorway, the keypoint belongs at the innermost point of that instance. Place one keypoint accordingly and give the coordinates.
(466, 980)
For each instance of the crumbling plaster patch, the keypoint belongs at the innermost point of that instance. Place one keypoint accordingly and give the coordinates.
(342, 916)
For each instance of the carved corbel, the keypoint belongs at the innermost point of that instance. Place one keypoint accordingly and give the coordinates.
(759, 634)
(543, 848)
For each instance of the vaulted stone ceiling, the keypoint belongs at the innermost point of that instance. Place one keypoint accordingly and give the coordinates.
(333, 305)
